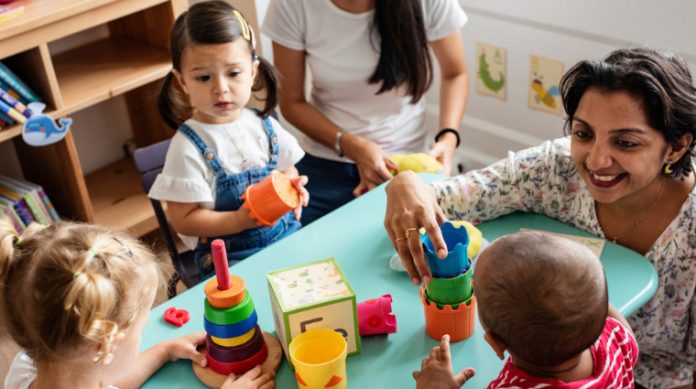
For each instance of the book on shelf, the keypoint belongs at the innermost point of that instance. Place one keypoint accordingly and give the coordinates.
(26, 95)
(39, 194)
(10, 100)
(29, 201)
(10, 11)
(8, 210)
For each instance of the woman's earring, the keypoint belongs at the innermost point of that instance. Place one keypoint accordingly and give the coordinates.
(668, 169)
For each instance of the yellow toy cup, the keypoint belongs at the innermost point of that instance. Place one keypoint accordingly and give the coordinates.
(319, 357)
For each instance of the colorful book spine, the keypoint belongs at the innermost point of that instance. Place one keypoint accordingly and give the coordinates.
(12, 189)
(49, 205)
(11, 112)
(19, 203)
(11, 92)
(13, 217)
(14, 103)
(10, 12)
(8, 120)
(8, 77)
(37, 194)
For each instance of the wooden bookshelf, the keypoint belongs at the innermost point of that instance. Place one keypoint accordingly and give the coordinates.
(130, 61)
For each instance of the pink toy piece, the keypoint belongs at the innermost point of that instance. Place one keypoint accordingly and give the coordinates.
(375, 316)
(222, 270)
(177, 317)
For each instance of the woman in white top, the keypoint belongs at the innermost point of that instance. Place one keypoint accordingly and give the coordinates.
(370, 67)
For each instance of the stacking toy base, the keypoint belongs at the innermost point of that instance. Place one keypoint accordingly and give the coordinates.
(215, 380)
(458, 323)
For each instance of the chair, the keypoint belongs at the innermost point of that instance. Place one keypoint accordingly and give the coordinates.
(149, 162)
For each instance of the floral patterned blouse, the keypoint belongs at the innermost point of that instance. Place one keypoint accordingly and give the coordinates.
(544, 180)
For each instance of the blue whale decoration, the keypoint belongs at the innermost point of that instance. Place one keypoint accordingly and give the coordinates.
(41, 130)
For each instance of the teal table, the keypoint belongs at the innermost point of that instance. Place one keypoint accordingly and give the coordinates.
(355, 236)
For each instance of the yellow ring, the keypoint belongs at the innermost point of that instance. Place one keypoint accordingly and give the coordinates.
(236, 341)
(408, 231)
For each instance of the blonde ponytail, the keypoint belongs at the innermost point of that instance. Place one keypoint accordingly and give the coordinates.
(73, 285)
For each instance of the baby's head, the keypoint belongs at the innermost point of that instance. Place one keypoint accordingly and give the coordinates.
(542, 296)
(71, 292)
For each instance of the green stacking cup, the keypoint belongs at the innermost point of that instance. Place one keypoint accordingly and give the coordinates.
(452, 290)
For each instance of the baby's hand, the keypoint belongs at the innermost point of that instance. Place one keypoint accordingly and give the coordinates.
(299, 183)
(253, 379)
(436, 369)
(185, 348)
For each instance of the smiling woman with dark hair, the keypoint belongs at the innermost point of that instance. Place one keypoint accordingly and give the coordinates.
(624, 173)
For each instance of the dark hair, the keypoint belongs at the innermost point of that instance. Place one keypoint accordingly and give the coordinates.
(210, 22)
(543, 296)
(660, 79)
(403, 56)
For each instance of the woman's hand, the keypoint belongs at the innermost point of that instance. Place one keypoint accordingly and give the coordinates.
(436, 369)
(373, 163)
(412, 204)
(443, 151)
(299, 184)
(252, 379)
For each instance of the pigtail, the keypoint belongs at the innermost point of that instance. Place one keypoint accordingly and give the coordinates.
(267, 78)
(172, 103)
(8, 238)
(73, 286)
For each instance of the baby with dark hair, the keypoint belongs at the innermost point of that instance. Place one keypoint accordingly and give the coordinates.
(543, 299)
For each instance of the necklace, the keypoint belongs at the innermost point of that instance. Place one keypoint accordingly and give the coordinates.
(243, 159)
(636, 222)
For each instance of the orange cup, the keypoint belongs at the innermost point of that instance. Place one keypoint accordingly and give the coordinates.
(458, 322)
(271, 198)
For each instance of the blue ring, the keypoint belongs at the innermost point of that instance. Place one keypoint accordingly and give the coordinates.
(231, 330)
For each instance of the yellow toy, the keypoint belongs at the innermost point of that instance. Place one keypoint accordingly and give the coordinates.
(417, 162)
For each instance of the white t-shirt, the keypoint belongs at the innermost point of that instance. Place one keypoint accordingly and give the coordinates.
(22, 373)
(241, 145)
(342, 56)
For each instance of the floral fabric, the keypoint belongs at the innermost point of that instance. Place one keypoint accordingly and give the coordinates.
(543, 179)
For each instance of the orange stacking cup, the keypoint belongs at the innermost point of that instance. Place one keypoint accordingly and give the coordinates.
(271, 198)
(457, 322)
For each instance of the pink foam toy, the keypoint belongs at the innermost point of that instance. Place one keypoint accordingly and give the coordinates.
(222, 270)
(375, 316)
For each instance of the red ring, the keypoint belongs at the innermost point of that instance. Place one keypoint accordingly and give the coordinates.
(240, 367)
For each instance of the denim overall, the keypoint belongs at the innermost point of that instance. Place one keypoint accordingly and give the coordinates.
(228, 189)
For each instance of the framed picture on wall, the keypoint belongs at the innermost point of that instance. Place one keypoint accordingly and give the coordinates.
(491, 72)
(544, 77)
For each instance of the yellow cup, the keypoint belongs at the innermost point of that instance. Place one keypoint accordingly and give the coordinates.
(319, 357)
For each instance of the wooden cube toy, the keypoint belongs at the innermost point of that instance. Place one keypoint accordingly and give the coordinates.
(313, 295)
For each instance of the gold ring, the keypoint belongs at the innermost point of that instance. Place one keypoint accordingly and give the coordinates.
(398, 239)
(408, 231)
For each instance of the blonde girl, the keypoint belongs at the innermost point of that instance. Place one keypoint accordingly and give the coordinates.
(75, 298)
(220, 147)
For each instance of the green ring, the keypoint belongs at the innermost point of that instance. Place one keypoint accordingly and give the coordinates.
(451, 290)
(232, 315)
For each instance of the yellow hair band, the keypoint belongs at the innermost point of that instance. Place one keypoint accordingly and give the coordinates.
(246, 31)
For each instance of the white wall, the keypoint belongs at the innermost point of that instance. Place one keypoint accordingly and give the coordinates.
(562, 30)
(568, 31)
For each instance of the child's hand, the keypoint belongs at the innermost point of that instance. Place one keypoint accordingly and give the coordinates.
(246, 221)
(253, 379)
(299, 183)
(185, 348)
(436, 369)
